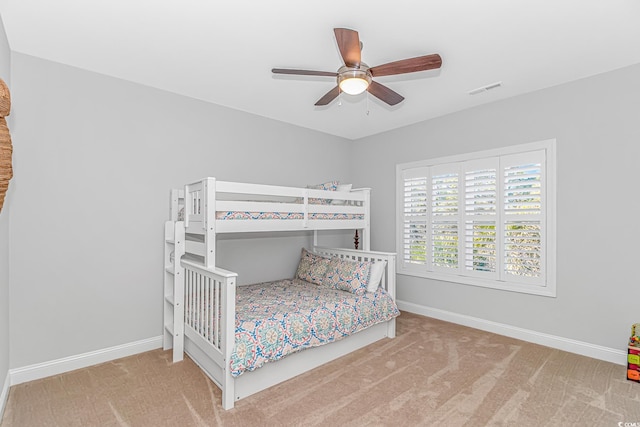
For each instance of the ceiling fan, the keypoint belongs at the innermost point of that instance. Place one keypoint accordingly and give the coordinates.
(355, 76)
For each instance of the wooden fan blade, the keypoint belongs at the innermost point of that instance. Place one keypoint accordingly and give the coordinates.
(384, 93)
(329, 96)
(349, 45)
(420, 63)
(303, 72)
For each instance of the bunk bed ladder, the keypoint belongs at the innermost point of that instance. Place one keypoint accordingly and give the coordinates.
(174, 249)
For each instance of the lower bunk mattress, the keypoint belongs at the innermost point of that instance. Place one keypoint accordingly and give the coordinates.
(274, 319)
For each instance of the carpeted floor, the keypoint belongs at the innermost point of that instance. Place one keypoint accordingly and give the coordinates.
(433, 374)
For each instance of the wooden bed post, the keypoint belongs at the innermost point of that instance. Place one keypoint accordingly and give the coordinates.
(365, 231)
(175, 199)
(209, 185)
(391, 288)
(228, 327)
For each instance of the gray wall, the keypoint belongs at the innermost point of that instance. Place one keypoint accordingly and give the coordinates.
(595, 122)
(95, 158)
(5, 70)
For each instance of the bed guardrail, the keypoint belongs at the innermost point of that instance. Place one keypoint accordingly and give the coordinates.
(210, 295)
(205, 197)
(388, 281)
(207, 293)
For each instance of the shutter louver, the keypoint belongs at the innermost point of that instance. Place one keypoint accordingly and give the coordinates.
(523, 216)
(522, 189)
(484, 219)
(522, 241)
(480, 205)
(444, 226)
(415, 219)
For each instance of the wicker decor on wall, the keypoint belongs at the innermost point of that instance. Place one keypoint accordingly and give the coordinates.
(6, 171)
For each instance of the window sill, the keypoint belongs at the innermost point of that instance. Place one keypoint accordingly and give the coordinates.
(546, 291)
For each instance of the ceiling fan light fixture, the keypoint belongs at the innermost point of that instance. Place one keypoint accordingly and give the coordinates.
(354, 81)
(354, 85)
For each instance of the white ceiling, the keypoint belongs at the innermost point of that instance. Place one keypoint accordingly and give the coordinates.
(223, 51)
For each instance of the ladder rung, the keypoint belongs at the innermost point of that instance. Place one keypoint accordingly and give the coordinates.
(169, 327)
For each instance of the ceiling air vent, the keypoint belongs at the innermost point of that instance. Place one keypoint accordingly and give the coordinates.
(485, 88)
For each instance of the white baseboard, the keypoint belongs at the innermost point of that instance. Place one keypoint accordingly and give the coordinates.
(607, 354)
(66, 364)
(4, 395)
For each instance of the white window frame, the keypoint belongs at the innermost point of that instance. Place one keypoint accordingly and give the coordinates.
(545, 284)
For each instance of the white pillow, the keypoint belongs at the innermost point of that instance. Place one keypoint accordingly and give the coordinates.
(375, 276)
(341, 187)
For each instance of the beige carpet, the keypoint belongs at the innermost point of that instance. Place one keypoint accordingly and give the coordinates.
(433, 374)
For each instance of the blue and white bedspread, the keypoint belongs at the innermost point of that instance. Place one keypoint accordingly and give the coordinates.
(274, 319)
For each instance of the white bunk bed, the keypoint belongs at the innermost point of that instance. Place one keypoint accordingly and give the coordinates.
(209, 207)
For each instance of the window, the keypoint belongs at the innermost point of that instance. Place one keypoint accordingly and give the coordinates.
(485, 218)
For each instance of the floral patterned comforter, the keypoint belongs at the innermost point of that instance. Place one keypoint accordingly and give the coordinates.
(274, 319)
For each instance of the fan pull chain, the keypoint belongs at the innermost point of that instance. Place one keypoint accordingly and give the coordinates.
(367, 103)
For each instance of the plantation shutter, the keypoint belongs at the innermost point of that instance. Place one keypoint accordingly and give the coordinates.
(524, 219)
(481, 217)
(484, 219)
(445, 220)
(415, 217)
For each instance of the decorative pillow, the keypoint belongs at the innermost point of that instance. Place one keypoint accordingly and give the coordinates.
(348, 275)
(312, 267)
(327, 186)
(377, 270)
